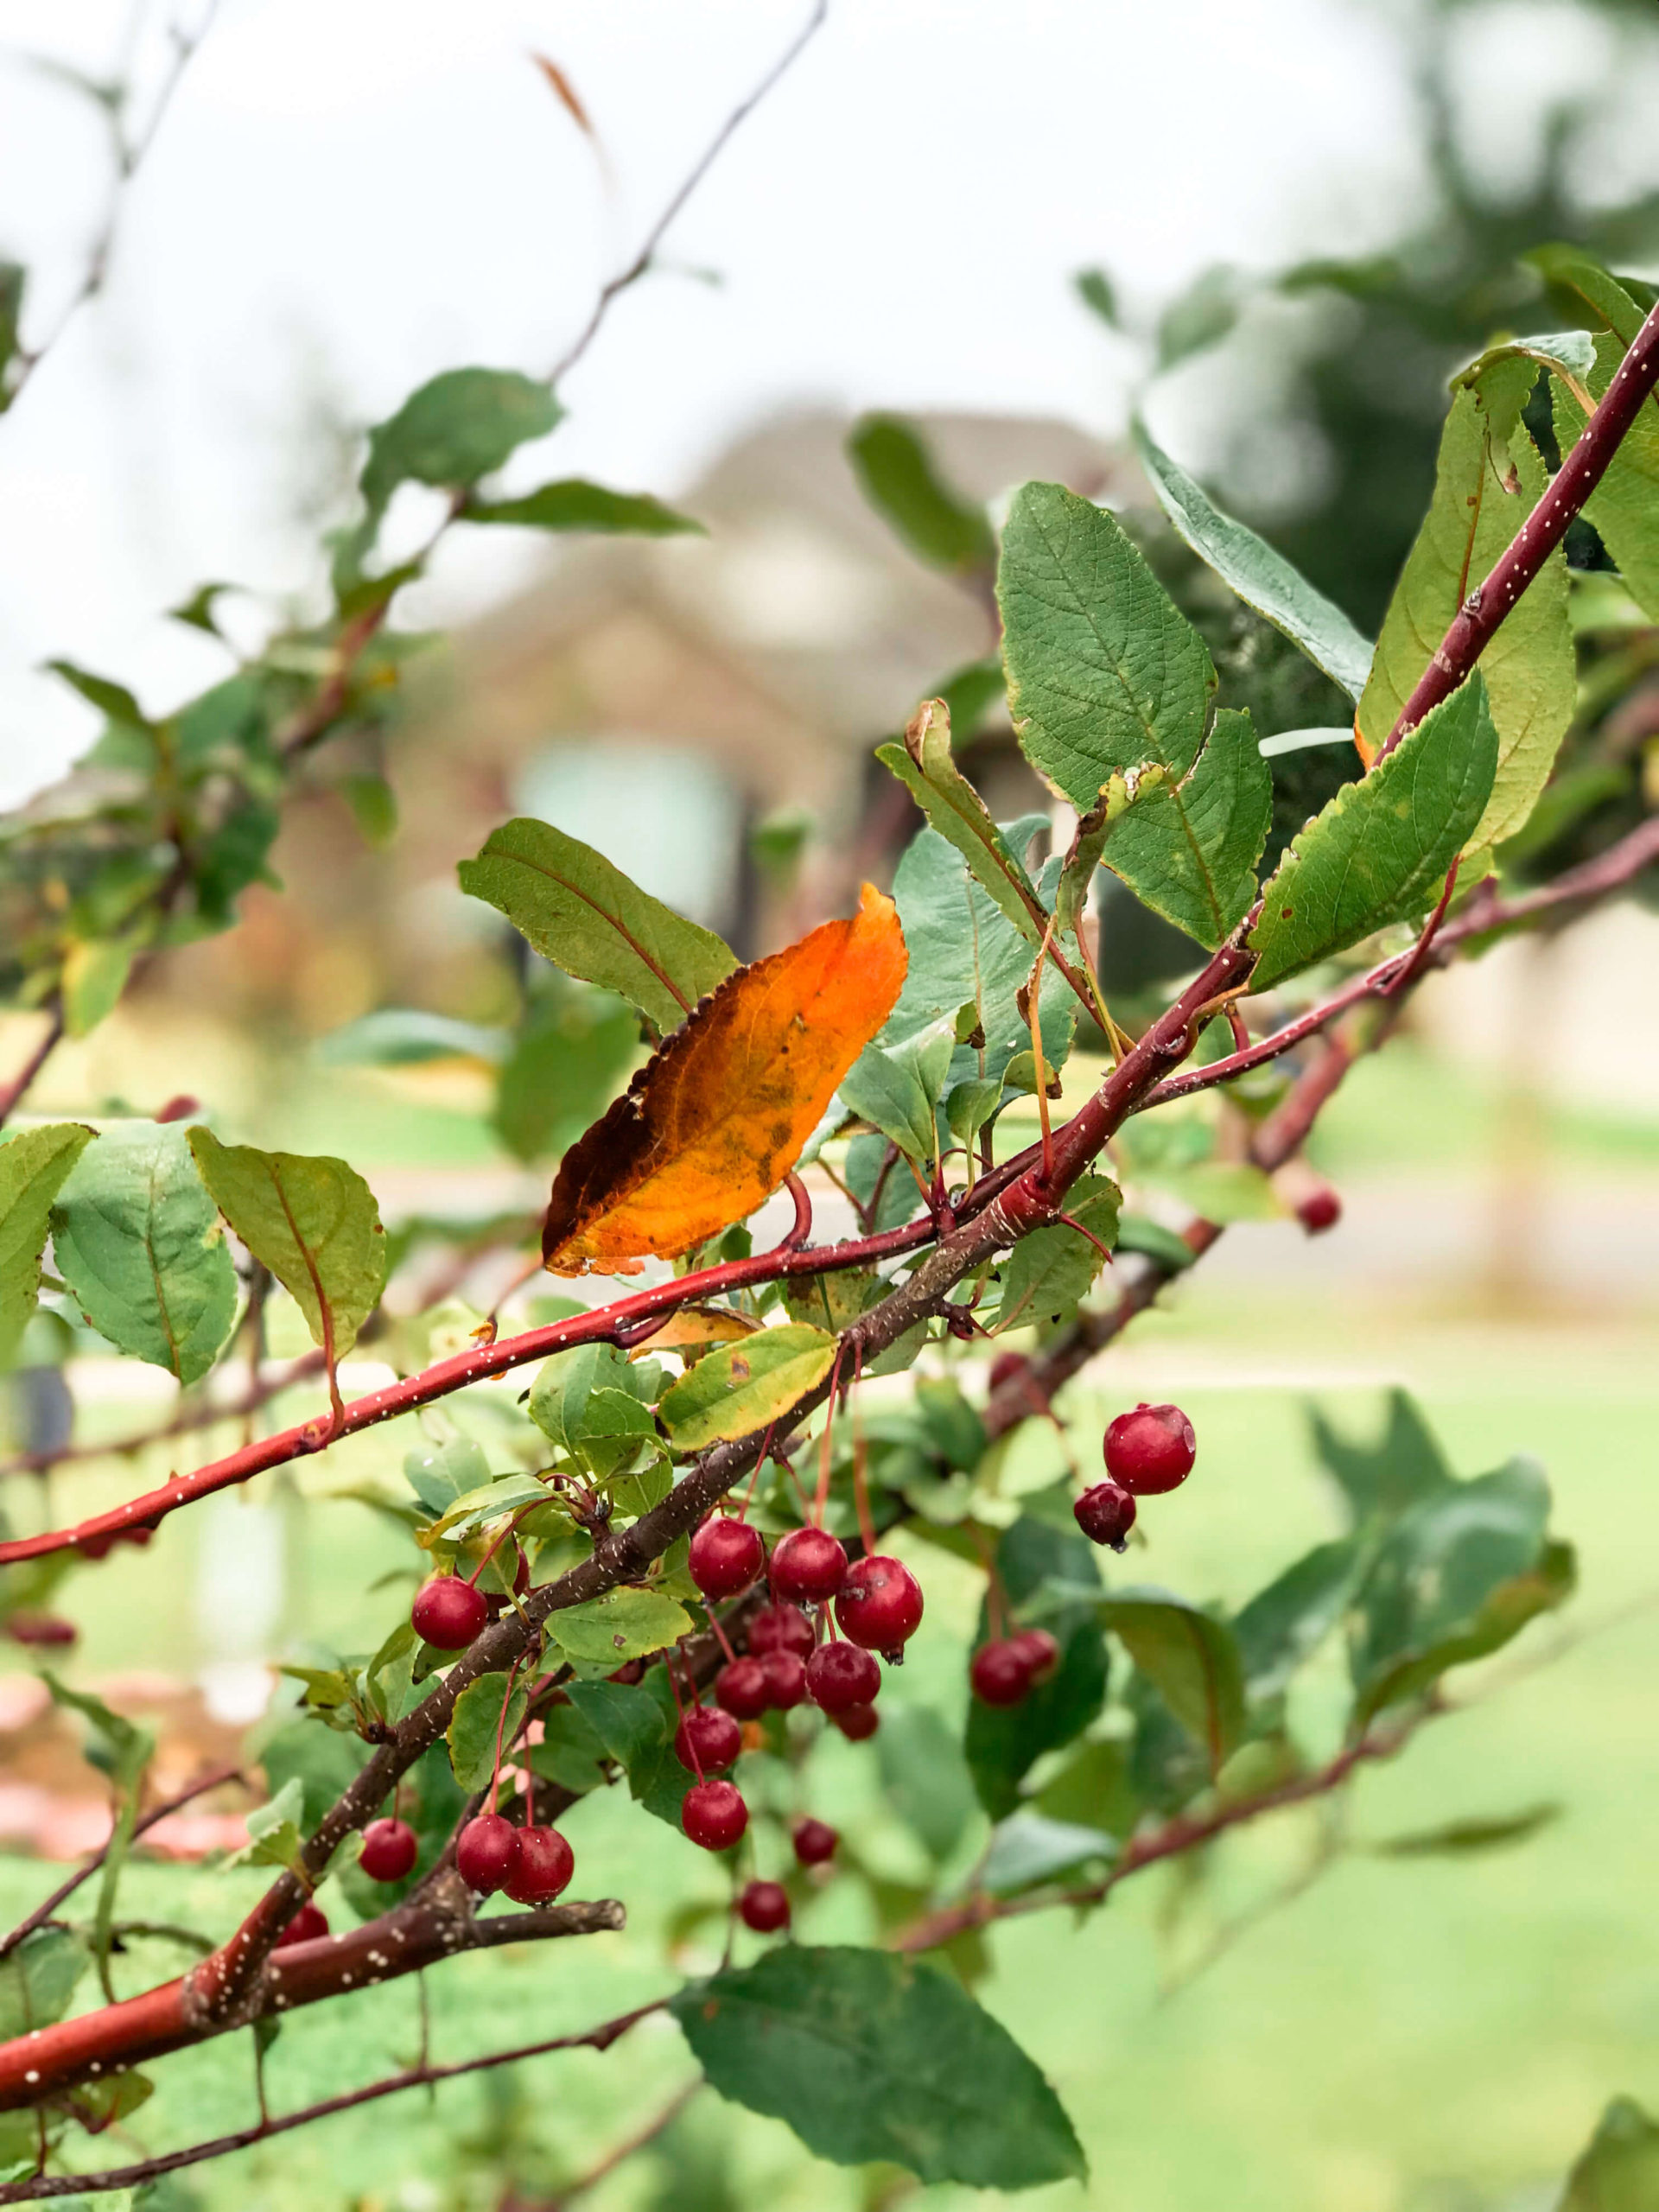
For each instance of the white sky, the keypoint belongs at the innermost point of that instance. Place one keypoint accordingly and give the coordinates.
(348, 195)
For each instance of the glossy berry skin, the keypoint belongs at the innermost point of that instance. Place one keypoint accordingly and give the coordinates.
(1319, 1210)
(781, 1628)
(1151, 1450)
(858, 1723)
(815, 1842)
(1106, 1514)
(1000, 1674)
(879, 1604)
(390, 1849)
(486, 1851)
(842, 1674)
(713, 1815)
(764, 1906)
(726, 1556)
(1042, 1652)
(448, 1612)
(808, 1567)
(741, 1687)
(1005, 1367)
(541, 1867)
(308, 1924)
(706, 1739)
(785, 1673)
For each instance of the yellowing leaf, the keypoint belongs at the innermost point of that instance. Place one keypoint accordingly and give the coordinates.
(716, 1119)
(733, 1393)
(697, 1325)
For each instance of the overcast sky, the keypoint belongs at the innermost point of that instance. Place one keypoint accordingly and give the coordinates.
(348, 195)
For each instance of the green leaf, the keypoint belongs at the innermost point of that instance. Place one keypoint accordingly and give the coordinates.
(1003, 1743)
(274, 1833)
(564, 1069)
(120, 1749)
(407, 1037)
(636, 1725)
(1192, 1659)
(460, 426)
(739, 1388)
(34, 1166)
(1619, 2172)
(38, 1979)
(1380, 1480)
(1028, 1848)
(900, 482)
(1286, 1622)
(586, 916)
(1170, 1250)
(137, 1239)
(924, 1776)
(474, 1724)
(94, 975)
(1488, 478)
(574, 504)
(897, 1088)
(1262, 578)
(925, 766)
(624, 1624)
(569, 1753)
(312, 1220)
(1379, 852)
(1461, 1839)
(1624, 505)
(494, 1498)
(1095, 288)
(1053, 1268)
(324, 1762)
(591, 1400)
(441, 1474)
(374, 809)
(1105, 674)
(110, 698)
(868, 2057)
(1200, 317)
(1189, 849)
(13, 282)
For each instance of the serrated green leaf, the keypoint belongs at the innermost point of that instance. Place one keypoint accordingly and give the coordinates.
(1053, 1268)
(1189, 849)
(1262, 578)
(475, 1723)
(1190, 1658)
(926, 768)
(34, 1164)
(274, 1833)
(897, 1088)
(137, 1238)
(1286, 1622)
(460, 426)
(737, 1389)
(591, 1401)
(1379, 852)
(586, 916)
(312, 1220)
(1104, 672)
(489, 1502)
(900, 482)
(624, 1624)
(574, 504)
(1619, 2172)
(439, 1474)
(867, 2056)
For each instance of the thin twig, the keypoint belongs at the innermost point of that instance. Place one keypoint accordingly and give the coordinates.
(12, 1094)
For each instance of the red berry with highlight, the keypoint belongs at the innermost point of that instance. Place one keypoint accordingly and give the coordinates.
(842, 1674)
(1106, 1514)
(541, 1867)
(785, 1673)
(390, 1849)
(764, 1906)
(726, 1556)
(1000, 1674)
(741, 1687)
(1319, 1210)
(879, 1604)
(858, 1723)
(1042, 1652)
(310, 1923)
(448, 1612)
(713, 1815)
(706, 1739)
(808, 1567)
(815, 1842)
(781, 1628)
(485, 1853)
(1151, 1450)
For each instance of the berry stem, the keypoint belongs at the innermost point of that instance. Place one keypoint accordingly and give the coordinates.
(500, 1729)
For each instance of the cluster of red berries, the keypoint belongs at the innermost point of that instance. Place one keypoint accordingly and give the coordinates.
(1147, 1452)
(1006, 1670)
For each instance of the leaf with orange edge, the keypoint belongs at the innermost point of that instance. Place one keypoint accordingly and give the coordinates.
(716, 1119)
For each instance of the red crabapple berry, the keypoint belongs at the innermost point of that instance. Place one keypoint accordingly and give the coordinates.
(764, 1906)
(1000, 1674)
(1319, 1210)
(390, 1849)
(842, 1674)
(781, 1628)
(815, 1841)
(879, 1604)
(1005, 1367)
(713, 1815)
(706, 1739)
(726, 1556)
(448, 1612)
(541, 1867)
(1106, 1514)
(1151, 1450)
(741, 1687)
(310, 1923)
(485, 1853)
(858, 1723)
(785, 1673)
(46, 1630)
(1042, 1652)
(808, 1567)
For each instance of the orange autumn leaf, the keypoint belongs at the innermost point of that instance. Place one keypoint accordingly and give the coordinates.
(716, 1119)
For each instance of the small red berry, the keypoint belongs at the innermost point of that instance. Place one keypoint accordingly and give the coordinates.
(1319, 1210)
(842, 1674)
(781, 1628)
(706, 1739)
(634, 1671)
(726, 1556)
(390, 1849)
(1042, 1652)
(764, 1906)
(785, 1673)
(41, 1627)
(713, 1815)
(879, 1604)
(310, 1923)
(178, 1108)
(815, 1841)
(741, 1687)
(1106, 1514)
(808, 1567)
(95, 1546)
(1151, 1450)
(486, 1850)
(448, 1612)
(541, 1867)
(858, 1723)
(1005, 1367)
(1000, 1674)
